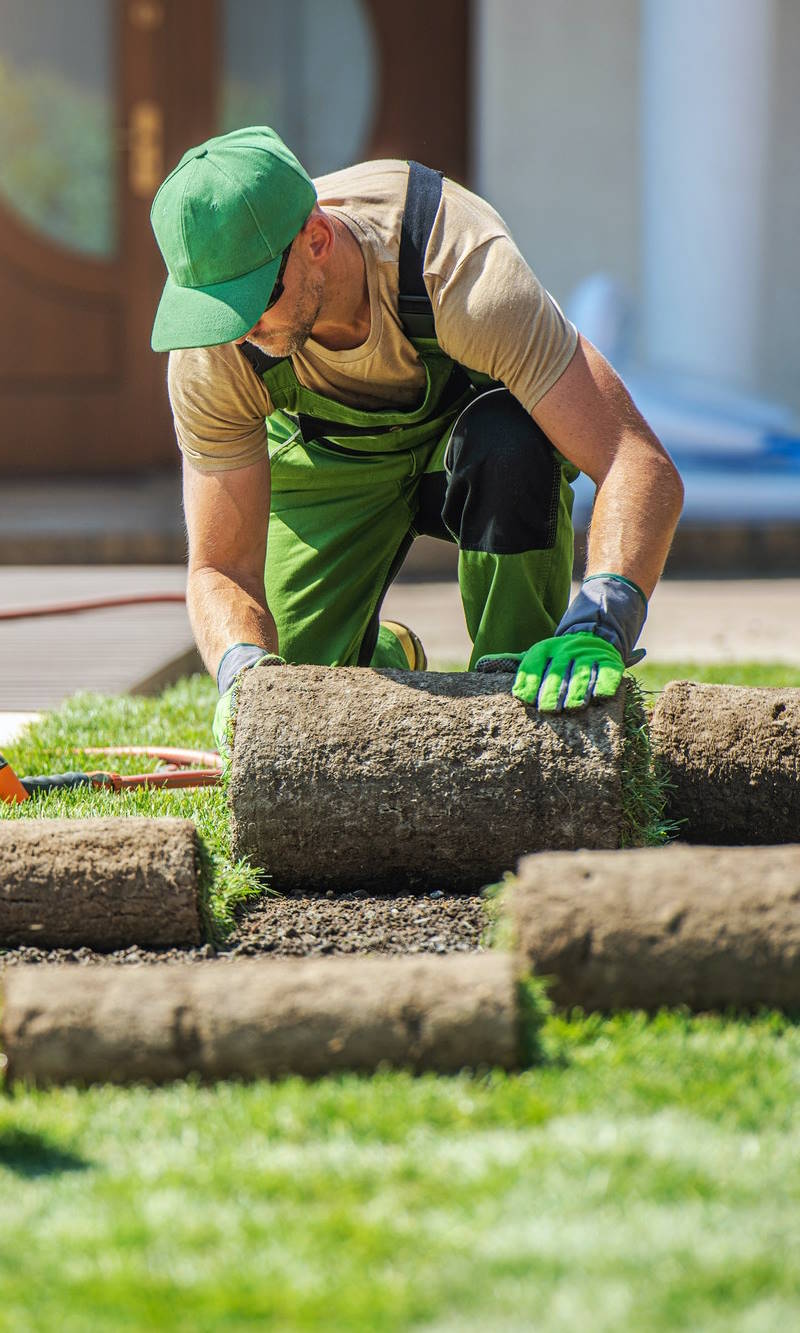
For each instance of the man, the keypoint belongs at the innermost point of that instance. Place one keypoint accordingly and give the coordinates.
(364, 358)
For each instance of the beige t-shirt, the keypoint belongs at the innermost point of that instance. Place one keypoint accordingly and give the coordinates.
(490, 311)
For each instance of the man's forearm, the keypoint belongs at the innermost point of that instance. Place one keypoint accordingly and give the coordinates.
(222, 612)
(635, 514)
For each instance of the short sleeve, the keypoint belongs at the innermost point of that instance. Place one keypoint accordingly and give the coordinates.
(491, 312)
(219, 406)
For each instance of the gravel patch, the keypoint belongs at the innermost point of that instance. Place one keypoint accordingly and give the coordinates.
(306, 925)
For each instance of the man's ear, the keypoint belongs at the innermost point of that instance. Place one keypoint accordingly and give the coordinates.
(319, 236)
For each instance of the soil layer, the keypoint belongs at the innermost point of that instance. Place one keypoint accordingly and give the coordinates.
(305, 925)
(103, 883)
(732, 756)
(259, 1019)
(395, 780)
(706, 927)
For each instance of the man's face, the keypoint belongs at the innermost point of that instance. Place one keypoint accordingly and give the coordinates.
(285, 327)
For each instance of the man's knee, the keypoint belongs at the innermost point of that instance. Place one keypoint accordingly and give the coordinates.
(504, 479)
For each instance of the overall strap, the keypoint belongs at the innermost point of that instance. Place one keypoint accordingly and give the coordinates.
(422, 202)
(258, 359)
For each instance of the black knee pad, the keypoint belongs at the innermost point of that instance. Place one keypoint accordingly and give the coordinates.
(504, 479)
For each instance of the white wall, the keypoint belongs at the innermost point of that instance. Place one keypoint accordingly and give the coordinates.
(558, 149)
(556, 132)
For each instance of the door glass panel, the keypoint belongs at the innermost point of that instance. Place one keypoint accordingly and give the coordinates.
(308, 69)
(56, 133)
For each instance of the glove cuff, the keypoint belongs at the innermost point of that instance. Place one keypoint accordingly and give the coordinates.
(612, 607)
(239, 656)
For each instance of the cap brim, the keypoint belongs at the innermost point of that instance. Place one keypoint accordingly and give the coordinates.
(205, 316)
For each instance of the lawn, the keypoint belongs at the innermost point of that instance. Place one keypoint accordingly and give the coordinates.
(645, 1175)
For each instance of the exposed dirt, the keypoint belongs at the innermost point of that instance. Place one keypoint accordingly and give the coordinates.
(304, 925)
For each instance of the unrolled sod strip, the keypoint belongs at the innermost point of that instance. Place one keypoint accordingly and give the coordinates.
(253, 1019)
(346, 778)
(707, 927)
(102, 883)
(732, 756)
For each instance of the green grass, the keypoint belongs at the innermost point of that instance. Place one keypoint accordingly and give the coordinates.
(644, 1175)
(653, 676)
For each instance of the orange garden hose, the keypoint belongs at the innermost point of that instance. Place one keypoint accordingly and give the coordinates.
(89, 604)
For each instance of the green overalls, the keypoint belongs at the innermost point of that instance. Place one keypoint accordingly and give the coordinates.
(344, 501)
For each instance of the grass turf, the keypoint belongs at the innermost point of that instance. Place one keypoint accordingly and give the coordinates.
(644, 1176)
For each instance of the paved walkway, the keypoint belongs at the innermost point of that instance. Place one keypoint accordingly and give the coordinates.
(114, 651)
(702, 621)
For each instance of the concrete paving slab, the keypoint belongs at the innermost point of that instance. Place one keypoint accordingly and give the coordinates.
(703, 621)
(114, 651)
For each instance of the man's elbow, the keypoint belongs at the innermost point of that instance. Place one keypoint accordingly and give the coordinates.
(671, 487)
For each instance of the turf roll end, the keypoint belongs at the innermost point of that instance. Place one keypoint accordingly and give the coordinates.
(101, 883)
(729, 754)
(703, 927)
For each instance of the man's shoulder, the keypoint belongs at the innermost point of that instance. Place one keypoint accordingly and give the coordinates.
(374, 194)
(382, 178)
(218, 376)
(222, 361)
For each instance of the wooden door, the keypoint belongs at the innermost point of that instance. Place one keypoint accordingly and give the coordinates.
(95, 104)
(98, 100)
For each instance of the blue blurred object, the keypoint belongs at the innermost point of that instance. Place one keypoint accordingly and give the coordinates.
(738, 455)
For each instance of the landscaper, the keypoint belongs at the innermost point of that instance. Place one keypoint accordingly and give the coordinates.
(367, 357)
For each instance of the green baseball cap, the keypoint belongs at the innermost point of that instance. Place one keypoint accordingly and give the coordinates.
(222, 220)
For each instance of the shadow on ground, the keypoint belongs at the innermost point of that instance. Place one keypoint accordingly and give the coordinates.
(31, 1155)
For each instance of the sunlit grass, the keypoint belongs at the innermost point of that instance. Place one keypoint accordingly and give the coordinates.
(646, 1176)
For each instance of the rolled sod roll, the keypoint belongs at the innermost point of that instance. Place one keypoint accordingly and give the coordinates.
(102, 883)
(254, 1019)
(348, 777)
(707, 927)
(732, 756)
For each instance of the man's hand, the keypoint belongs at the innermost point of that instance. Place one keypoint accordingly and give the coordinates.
(238, 658)
(586, 657)
(568, 672)
(223, 723)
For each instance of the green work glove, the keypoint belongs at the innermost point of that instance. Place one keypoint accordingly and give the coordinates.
(240, 657)
(568, 672)
(223, 722)
(586, 657)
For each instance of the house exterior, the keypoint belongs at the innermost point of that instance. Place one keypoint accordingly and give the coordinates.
(653, 140)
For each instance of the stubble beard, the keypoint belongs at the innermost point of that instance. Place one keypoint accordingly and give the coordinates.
(286, 342)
